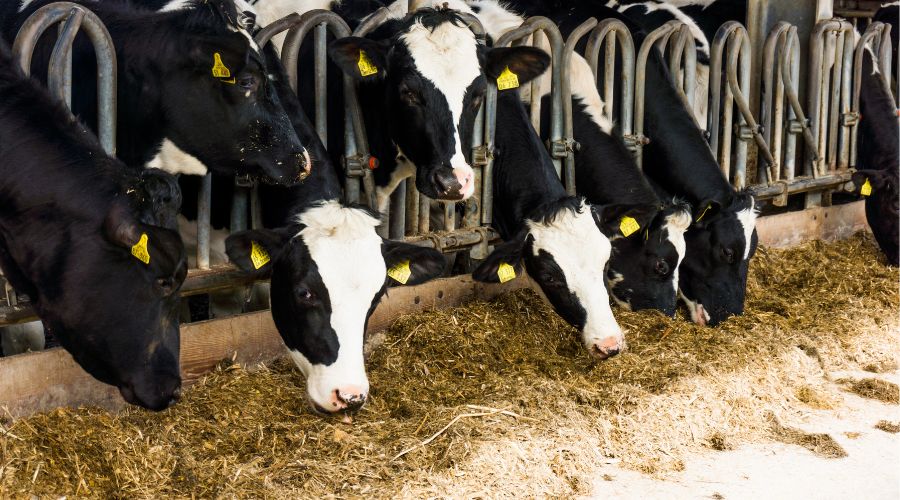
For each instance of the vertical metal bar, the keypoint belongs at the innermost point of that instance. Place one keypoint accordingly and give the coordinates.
(320, 40)
(424, 214)
(792, 52)
(204, 202)
(239, 206)
(834, 112)
(412, 206)
(256, 221)
(487, 182)
(846, 77)
(609, 86)
(397, 218)
(449, 215)
(59, 76)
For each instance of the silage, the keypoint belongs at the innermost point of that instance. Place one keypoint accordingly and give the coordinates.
(677, 388)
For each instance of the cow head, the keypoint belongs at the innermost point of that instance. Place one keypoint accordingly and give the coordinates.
(647, 248)
(720, 242)
(328, 273)
(123, 327)
(565, 254)
(430, 78)
(219, 104)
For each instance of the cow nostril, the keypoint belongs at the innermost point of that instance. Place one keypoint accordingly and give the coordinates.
(352, 402)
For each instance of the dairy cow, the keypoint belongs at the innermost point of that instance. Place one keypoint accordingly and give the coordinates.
(878, 158)
(190, 78)
(328, 271)
(89, 240)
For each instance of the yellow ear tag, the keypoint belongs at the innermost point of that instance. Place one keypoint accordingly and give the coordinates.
(258, 255)
(628, 226)
(506, 272)
(704, 212)
(866, 188)
(507, 80)
(139, 250)
(400, 272)
(219, 70)
(366, 67)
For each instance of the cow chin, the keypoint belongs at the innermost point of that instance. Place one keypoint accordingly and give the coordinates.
(333, 388)
(288, 171)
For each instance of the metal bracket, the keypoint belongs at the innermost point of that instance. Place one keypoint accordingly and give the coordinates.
(482, 155)
(635, 141)
(356, 166)
(850, 119)
(244, 181)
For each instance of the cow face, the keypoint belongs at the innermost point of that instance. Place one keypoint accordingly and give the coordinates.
(328, 274)
(647, 248)
(123, 328)
(882, 211)
(713, 276)
(222, 109)
(565, 254)
(431, 75)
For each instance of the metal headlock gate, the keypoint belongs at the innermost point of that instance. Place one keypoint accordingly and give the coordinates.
(826, 124)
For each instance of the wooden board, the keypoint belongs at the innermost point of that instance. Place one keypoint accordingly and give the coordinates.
(45, 380)
(823, 223)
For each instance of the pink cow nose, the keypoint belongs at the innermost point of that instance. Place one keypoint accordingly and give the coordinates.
(349, 398)
(466, 178)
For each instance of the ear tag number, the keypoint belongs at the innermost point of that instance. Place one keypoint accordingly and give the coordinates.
(366, 67)
(866, 188)
(628, 226)
(139, 250)
(703, 213)
(507, 80)
(219, 70)
(258, 255)
(506, 272)
(400, 272)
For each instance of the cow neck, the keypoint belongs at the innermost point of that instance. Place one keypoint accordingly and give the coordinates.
(878, 134)
(605, 172)
(524, 176)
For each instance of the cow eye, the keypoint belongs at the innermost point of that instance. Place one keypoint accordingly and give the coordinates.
(166, 285)
(728, 255)
(304, 294)
(410, 97)
(247, 82)
(662, 268)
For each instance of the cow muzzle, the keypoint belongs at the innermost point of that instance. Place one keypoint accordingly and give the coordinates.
(453, 184)
(606, 347)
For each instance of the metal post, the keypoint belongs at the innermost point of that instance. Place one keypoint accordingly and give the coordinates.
(612, 31)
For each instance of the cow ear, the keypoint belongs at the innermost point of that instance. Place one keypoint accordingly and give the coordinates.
(255, 251)
(526, 63)
(878, 180)
(504, 263)
(410, 264)
(120, 227)
(705, 211)
(623, 219)
(221, 57)
(678, 215)
(361, 58)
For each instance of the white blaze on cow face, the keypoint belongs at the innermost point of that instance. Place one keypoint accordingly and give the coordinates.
(447, 56)
(581, 251)
(747, 218)
(676, 224)
(347, 252)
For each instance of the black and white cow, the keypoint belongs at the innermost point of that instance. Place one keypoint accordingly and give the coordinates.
(191, 78)
(328, 271)
(878, 158)
(722, 238)
(555, 237)
(88, 239)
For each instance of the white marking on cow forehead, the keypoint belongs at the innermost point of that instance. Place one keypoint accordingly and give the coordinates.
(174, 5)
(347, 252)
(747, 218)
(448, 57)
(581, 251)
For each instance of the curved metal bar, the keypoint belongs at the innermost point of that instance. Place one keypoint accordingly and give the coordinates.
(59, 76)
(265, 35)
(640, 88)
(107, 70)
(873, 37)
(568, 125)
(819, 89)
(369, 23)
(772, 99)
(612, 31)
(789, 76)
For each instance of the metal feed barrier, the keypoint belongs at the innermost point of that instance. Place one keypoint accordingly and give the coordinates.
(825, 123)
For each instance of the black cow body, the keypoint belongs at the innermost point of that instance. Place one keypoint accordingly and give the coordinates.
(193, 77)
(722, 239)
(878, 159)
(88, 240)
